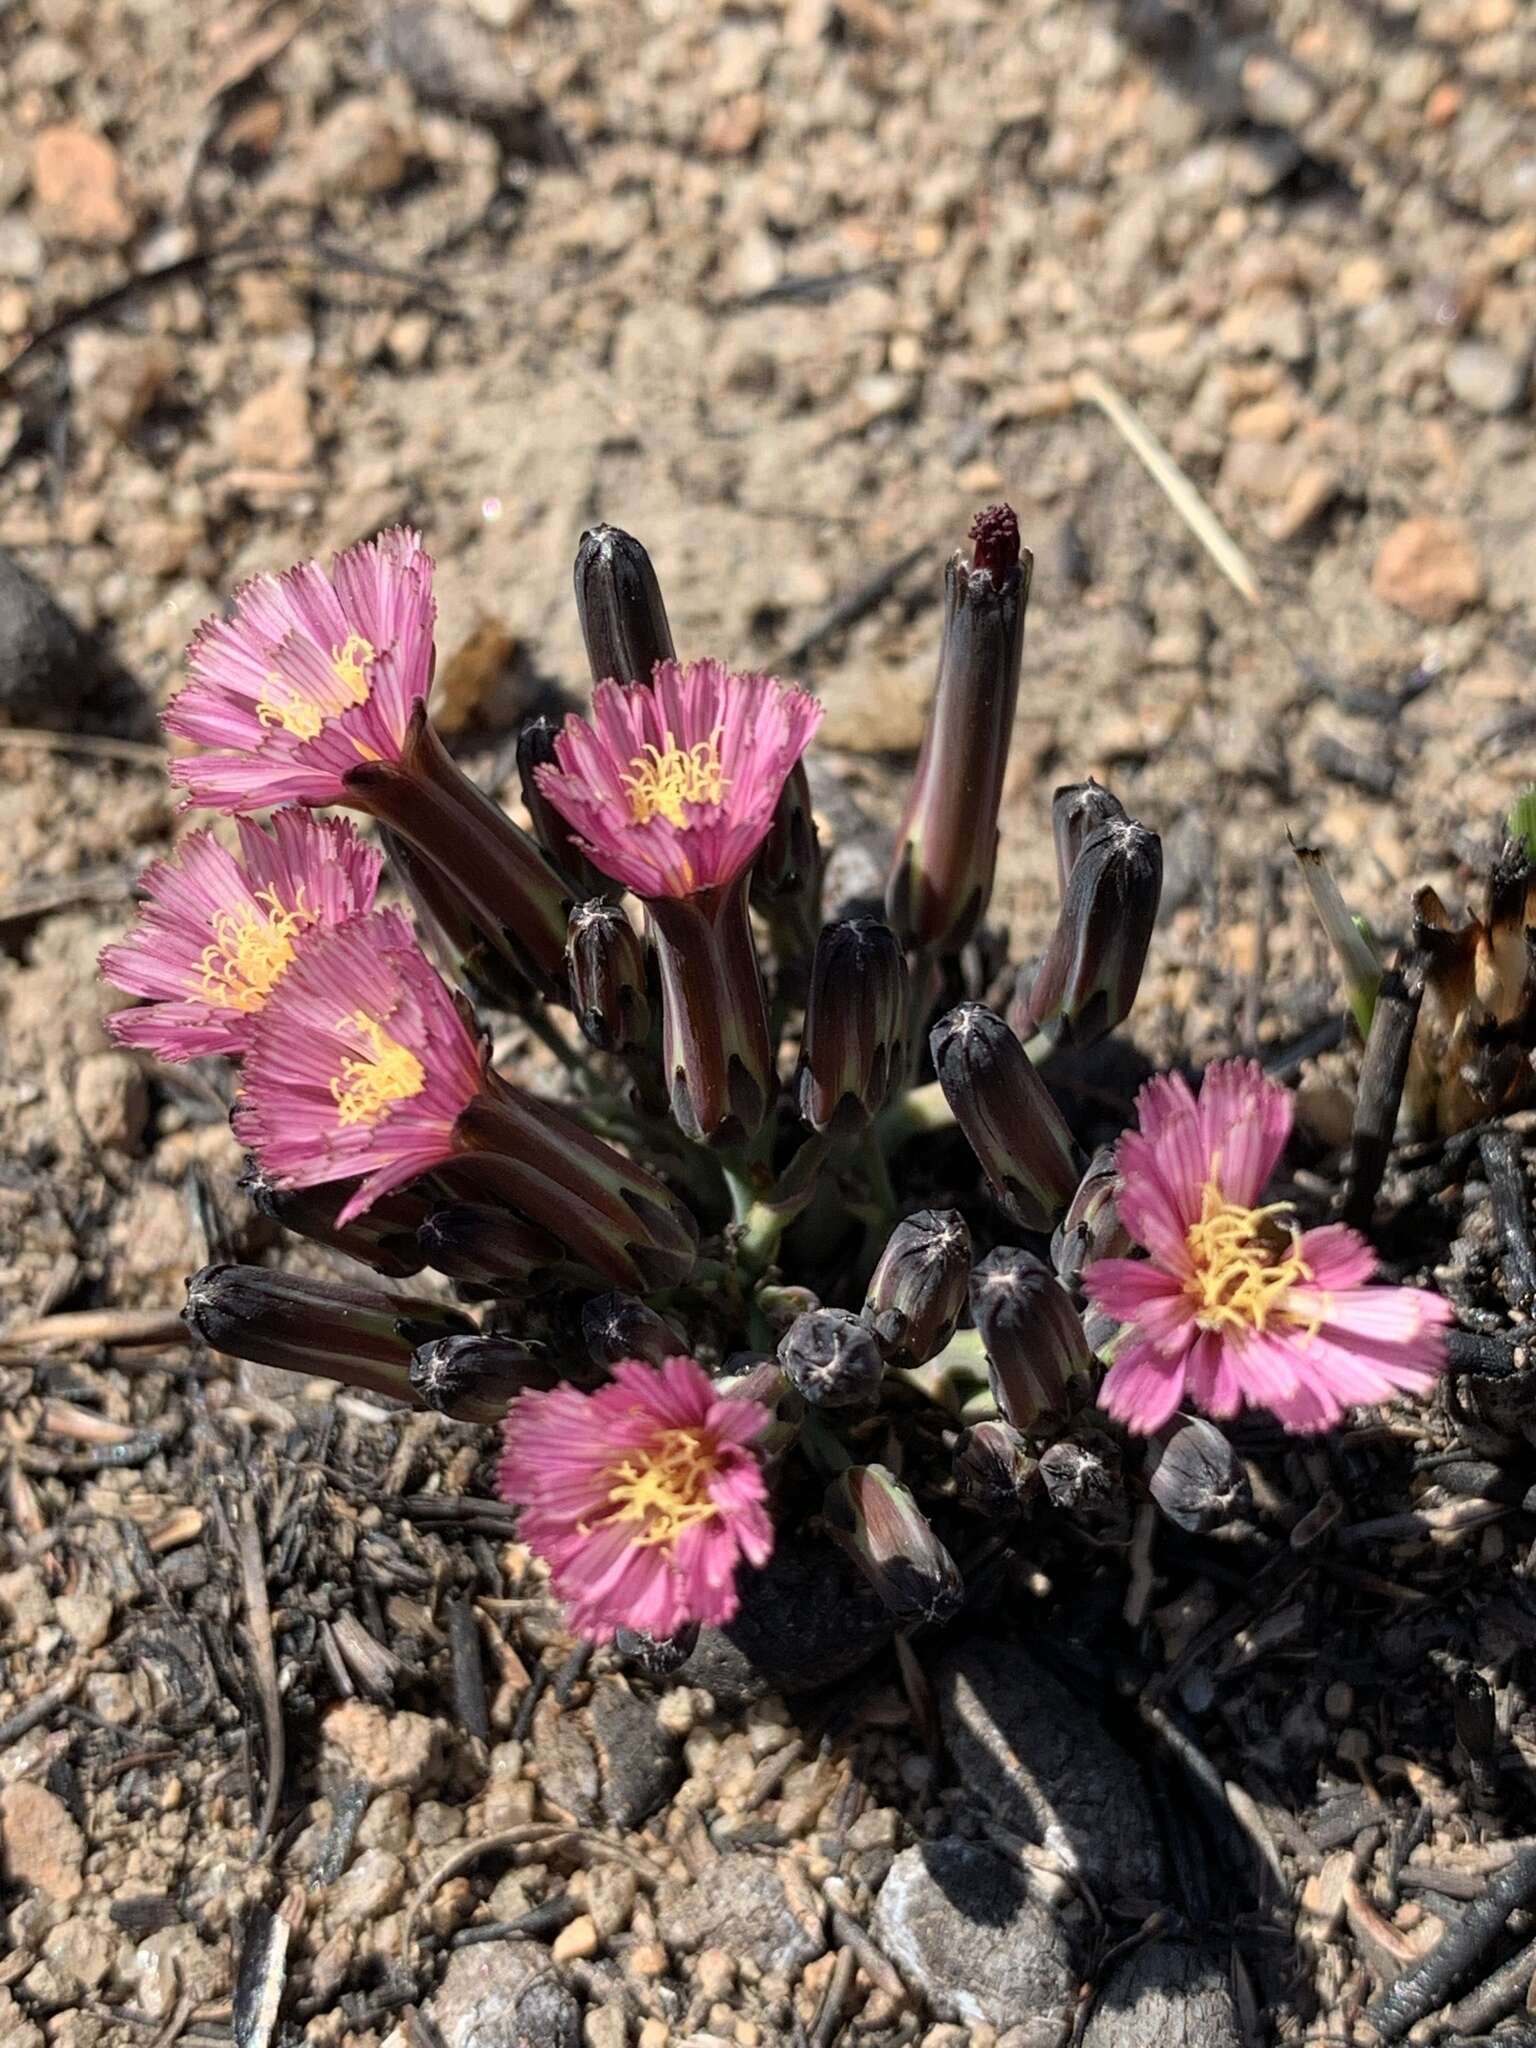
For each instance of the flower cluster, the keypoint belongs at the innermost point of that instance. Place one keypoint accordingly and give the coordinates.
(756, 1075)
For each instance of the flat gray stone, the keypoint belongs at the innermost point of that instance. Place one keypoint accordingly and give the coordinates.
(1026, 1749)
(739, 1905)
(1166, 1995)
(960, 1924)
(806, 1619)
(641, 1764)
(504, 1994)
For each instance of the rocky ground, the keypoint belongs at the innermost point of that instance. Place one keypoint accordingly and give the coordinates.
(788, 287)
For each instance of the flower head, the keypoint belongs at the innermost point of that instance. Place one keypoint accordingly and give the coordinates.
(315, 673)
(642, 1497)
(359, 1065)
(218, 932)
(1235, 1305)
(671, 788)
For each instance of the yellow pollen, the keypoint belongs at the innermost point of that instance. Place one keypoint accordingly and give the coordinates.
(662, 779)
(371, 1083)
(304, 717)
(665, 1486)
(1246, 1261)
(251, 950)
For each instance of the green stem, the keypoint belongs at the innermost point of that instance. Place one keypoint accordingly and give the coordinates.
(822, 1446)
(878, 1174)
(924, 988)
(910, 1115)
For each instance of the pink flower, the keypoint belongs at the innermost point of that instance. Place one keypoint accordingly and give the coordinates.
(360, 1064)
(1235, 1305)
(217, 933)
(313, 674)
(671, 788)
(642, 1497)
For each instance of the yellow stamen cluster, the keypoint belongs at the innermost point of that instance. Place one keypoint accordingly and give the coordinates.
(665, 1487)
(252, 949)
(371, 1083)
(662, 779)
(280, 704)
(1246, 1261)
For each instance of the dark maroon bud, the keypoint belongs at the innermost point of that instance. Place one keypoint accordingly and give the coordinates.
(363, 1336)
(1091, 1228)
(786, 876)
(994, 1471)
(487, 1246)
(1087, 980)
(717, 1053)
(940, 880)
(535, 750)
(831, 1358)
(1081, 1476)
(875, 1521)
(473, 1378)
(618, 1326)
(918, 1289)
(1078, 809)
(1037, 1355)
(1199, 1481)
(606, 959)
(853, 1051)
(656, 1656)
(618, 600)
(1006, 1111)
(384, 1237)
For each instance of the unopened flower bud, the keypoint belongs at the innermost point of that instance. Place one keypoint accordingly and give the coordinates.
(1006, 1111)
(535, 750)
(656, 1656)
(831, 1358)
(994, 1471)
(918, 1289)
(487, 1246)
(873, 1518)
(854, 1048)
(1087, 980)
(1081, 1477)
(617, 1326)
(1078, 809)
(336, 1331)
(606, 960)
(1199, 1481)
(786, 876)
(1037, 1355)
(1091, 1228)
(618, 600)
(946, 850)
(384, 1237)
(472, 1378)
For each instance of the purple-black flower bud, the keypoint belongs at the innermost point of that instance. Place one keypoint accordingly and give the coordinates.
(618, 600)
(617, 1326)
(720, 1068)
(831, 1358)
(535, 750)
(1091, 1228)
(1199, 1481)
(1006, 1111)
(946, 850)
(1037, 1355)
(487, 1246)
(1082, 1478)
(384, 1237)
(362, 1336)
(1087, 980)
(473, 1378)
(1078, 809)
(918, 1289)
(606, 959)
(873, 1518)
(994, 1471)
(786, 876)
(854, 1048)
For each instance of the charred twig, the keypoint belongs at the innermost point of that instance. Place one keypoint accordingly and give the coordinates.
(1502, 1162)
(468, 1673)
(1486, 1358)
(1424, 1988)
(839, 1984)
(262, 1974)
(258, 1620)
(40, 1706)
(134, 1327)
(1498, 1994)
(1383, 1071)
